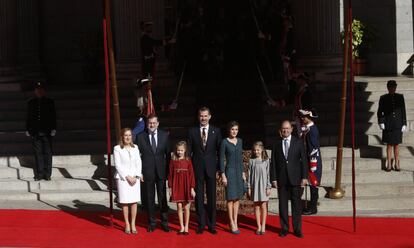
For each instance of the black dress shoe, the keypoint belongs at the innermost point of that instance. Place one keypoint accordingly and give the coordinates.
(165, 228)
(309, 211)
(150, 229)
(200, 230)
(47, 178)
(186, 233)
(37, 178)
(298, 234)
(283, 233)
(212, 231)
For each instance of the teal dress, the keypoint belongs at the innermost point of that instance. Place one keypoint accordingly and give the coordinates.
(231, 163)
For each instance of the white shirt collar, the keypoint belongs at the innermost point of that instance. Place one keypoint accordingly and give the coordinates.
(206, 127)
(288, 138)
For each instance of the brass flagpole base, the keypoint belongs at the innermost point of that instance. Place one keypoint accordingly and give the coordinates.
(336, 193)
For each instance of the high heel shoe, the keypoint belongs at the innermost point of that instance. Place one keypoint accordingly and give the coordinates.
(127, 231)
(397, 166)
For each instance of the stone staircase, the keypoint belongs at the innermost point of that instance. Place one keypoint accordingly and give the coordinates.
(378, 192)
(79, 170)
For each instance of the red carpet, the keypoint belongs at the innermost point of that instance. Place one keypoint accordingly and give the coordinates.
(33, 228)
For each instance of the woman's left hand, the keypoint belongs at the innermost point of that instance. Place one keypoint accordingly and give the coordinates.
(268, 191)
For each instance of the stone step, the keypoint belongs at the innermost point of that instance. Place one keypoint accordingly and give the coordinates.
(380, 189)
(61, 184)
(369, 176)
(57, 172)
(332, 128)
(373, 203)
(363, 164)
(93, 103)
(98, 113)
(368, 152)
(89, 124)
(332, 117)
(18, 195)
(58, 160)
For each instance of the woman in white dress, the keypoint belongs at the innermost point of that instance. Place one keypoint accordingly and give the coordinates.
(128, 175)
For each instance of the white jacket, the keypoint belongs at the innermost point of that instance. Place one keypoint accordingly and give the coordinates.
(127, 163)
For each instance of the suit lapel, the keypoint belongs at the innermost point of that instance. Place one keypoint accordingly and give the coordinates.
(209, 136)
(148, 141)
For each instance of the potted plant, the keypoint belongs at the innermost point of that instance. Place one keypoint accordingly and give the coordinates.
(363, 37)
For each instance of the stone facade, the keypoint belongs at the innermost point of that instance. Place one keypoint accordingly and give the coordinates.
(65, 37)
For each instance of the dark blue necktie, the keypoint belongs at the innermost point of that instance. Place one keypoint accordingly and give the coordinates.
(153, 142)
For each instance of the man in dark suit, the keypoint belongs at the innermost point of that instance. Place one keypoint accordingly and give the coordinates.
(204, 143)
(41, 127)
(154, 147)
(288, 172)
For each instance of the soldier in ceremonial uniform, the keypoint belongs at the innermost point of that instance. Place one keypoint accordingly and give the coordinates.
(41, 127)
(392, 121)
(310, 135)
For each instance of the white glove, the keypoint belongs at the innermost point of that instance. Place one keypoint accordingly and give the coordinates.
(313, 169)
(53, 133)
(27, 133)
(382, 126)
(403, 128)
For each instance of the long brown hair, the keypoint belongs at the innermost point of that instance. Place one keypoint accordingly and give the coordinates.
(175, 155)
(121, 137)
(264, 153)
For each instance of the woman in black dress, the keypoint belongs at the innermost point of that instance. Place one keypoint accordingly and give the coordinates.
(392, 121)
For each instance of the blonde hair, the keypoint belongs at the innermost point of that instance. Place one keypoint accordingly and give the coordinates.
(121, 137)
(264, 153)
(175, 155)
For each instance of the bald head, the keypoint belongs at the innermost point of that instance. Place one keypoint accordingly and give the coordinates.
(286, 129)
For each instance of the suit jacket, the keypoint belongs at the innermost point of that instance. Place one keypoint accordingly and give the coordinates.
(154, 164)
(204, 160)
(391, 111)
(41, 116)
(291, 170)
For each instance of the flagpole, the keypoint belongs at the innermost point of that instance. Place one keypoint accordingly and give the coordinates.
(108, 123)
(338, 192)
(115, 101)
(352, 81)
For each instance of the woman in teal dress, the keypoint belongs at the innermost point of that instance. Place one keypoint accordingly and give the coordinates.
(231, 167)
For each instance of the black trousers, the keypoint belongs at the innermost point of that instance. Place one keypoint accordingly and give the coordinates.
(210, 187)
(292, 193)
(314, 196)
(148, 188)
(42, 146)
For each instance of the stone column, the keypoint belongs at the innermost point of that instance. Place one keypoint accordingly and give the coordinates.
(28, 31)
(317, 32)
(8, 33)
(127, 15)
(404, 33)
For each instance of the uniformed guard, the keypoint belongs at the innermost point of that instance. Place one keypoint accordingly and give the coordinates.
(392, 121)
(41, 127)
(310, 135)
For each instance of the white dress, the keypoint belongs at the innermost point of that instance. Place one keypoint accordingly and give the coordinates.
(128, 163)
